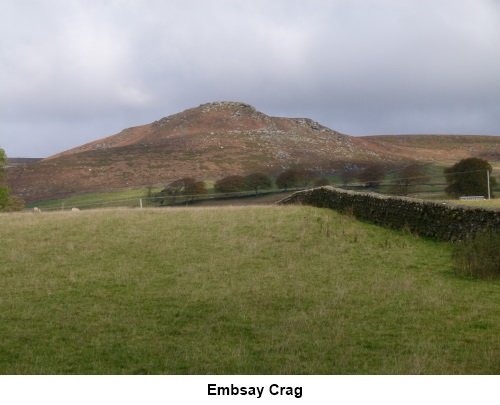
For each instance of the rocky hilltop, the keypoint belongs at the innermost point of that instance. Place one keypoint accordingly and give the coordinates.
(210, 125)
(219, 139)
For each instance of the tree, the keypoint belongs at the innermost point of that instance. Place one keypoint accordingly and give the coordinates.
(230, 184)
(469, 177)
(287, 179)
(295, 177)
(185, 186)
(258, 181)
(306, 176)
(3, 162)
(372, 174)
(409, 177)
(347, 176)
(321, 181)
(7, 202)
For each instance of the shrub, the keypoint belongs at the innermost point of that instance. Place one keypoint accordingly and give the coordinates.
(478, 256)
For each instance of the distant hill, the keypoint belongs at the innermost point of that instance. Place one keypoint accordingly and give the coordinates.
(11, 162)
(437, 148)
(223, 138)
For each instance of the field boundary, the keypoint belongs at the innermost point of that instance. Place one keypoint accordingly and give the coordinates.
(436, 220)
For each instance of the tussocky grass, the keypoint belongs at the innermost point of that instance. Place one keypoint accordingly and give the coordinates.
(253, 290)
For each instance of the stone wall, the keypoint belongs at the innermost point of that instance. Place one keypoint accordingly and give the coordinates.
(441, 221)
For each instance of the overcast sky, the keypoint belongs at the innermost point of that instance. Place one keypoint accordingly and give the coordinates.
(73, 71)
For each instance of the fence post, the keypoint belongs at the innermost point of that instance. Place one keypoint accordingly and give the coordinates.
(488, 180)
(140, 202)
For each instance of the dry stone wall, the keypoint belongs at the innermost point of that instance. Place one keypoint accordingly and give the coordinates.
(441, 221)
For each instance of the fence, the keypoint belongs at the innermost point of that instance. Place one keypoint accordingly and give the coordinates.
(143, 201)
(441, 221)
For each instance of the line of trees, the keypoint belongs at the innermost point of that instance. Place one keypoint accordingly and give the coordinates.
(188, 187)
(291, 178)
(254, 181)
(467, 177)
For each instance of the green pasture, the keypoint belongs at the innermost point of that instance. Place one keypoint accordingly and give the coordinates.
(493, 203)
(269, 290)
(121, 198)
(130, 198)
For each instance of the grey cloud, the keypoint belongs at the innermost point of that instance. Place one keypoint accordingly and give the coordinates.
(74, 71)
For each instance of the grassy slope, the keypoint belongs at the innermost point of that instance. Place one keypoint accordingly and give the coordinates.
(282, 290)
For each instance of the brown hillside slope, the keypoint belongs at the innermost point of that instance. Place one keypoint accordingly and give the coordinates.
(207, 142)
(437, 148)
(219, 139)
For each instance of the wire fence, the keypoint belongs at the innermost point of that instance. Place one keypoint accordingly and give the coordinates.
(431, 187)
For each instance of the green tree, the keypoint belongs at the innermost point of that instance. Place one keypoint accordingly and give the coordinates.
(230, 184)
(469, 177)
(7, 201)
(4, 198)
(3, 163)
(258, 181)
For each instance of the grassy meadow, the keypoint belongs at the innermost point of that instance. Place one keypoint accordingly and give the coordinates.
(247, 290)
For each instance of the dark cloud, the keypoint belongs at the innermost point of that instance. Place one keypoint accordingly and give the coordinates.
(74, 71)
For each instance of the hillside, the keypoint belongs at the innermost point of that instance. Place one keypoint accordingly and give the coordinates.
(437, 148)
(208, 142)
(219, 139)
(11, 162)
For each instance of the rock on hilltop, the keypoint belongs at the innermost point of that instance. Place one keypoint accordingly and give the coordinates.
(210, 124)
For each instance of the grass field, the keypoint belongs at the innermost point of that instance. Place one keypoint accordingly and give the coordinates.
(494, 203)
(121, 198)
(253, 290)
(130, 198)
